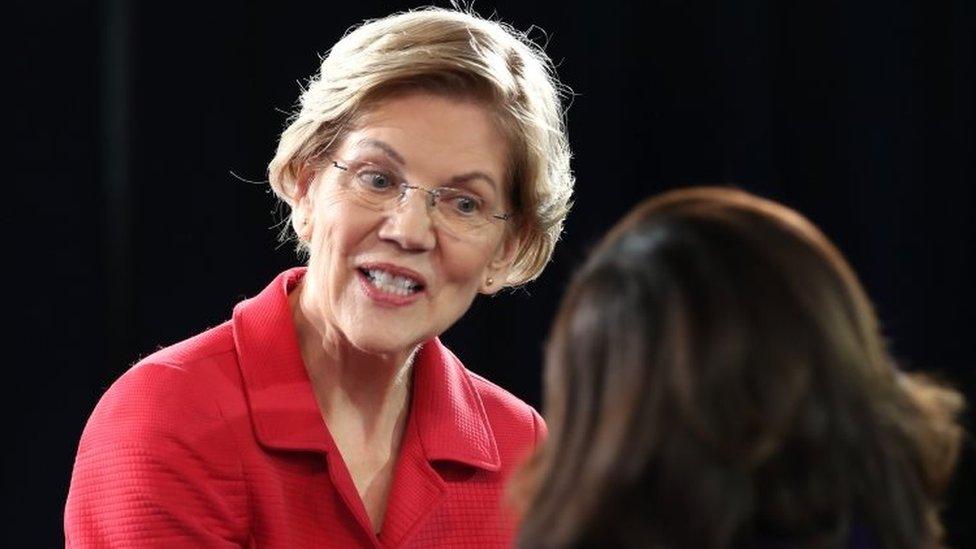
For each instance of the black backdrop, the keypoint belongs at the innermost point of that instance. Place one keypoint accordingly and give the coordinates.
(127, 230)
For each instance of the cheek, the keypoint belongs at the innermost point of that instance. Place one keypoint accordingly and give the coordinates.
(336, 226)
(465, 264)
(335, 236)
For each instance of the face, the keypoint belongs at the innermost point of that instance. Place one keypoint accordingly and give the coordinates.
(387, 280)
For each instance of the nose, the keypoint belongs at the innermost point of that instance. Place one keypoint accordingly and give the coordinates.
(409, 223)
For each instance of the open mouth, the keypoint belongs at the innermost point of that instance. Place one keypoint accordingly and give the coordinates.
(391, 283)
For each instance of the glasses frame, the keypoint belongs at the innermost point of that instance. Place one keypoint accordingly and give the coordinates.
(434, 193)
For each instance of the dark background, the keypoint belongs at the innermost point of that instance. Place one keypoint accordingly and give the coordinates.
(127, 230)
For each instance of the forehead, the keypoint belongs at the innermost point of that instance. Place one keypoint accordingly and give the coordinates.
(433, 134)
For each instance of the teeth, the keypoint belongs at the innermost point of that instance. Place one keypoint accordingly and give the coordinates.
(391, 283)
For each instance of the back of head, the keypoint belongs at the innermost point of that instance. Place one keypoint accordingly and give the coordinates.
(716, 378)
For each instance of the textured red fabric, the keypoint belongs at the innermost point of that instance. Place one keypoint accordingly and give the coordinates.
(217, 441)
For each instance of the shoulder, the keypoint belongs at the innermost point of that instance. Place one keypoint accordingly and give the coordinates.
(173, 393)
(209, 344)
(187, 374)
(508, 415)
(511, 418)
(158, 456)
(176, 388)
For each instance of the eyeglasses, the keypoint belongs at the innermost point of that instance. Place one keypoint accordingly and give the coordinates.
(457, 210)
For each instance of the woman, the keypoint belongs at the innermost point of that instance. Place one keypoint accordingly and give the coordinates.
(428, 163)
(716, 378)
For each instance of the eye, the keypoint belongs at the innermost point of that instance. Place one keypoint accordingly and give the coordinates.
(377, 182)
(462, 203)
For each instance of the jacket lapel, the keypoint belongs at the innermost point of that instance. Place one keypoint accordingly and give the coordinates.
(447, 420)
(284, 412)
(283, 407)
(447, 424)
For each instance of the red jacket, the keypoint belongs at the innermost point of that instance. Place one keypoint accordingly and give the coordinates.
(218, 441)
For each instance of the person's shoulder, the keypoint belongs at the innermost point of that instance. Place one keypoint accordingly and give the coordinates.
(510, 416)
(175, 382)
(213, 343)
(180, 397)
(495, 396)
(154, 444)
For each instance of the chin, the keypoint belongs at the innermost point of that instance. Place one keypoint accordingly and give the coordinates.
(385, 344)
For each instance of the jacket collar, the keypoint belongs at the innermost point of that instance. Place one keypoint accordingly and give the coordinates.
(451, 419)
(450, 416)
(283, 407)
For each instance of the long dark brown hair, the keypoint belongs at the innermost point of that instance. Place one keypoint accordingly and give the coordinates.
(716, 378)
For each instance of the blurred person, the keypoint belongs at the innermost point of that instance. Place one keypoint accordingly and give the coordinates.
(428, 162)
(716, 378)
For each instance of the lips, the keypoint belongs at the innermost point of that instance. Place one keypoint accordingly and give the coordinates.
(391, 284)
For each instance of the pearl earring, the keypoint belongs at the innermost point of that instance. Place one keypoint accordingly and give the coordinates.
(490, 281)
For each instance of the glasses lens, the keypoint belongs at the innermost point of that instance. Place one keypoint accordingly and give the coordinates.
(457, 210)
(372, 186)
(461, 210)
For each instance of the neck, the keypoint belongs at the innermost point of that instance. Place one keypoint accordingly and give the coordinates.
(351, 385)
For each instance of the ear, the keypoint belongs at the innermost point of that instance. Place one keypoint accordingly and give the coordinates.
(500, 265)
(303, 205)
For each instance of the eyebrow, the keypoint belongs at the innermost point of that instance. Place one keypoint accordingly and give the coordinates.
(376, 143)
(396, 157)
(464, 178)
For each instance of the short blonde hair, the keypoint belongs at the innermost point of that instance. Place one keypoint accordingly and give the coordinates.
(456, 54)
